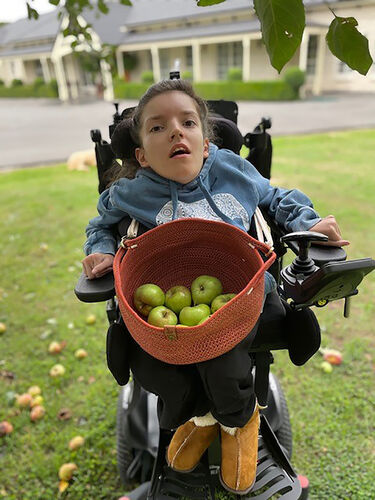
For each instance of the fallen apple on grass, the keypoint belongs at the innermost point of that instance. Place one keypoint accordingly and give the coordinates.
(326, 367)
(147, 297)
(162, 316)
(76, 443)
(24, 400)
(66, 471)
(90, 319)
(38, 400)
(221, 300)
(55, 347)
(191, 316)
(6, 428)
(332, 356)
(205, 288)
(37, 413)
(80, 354)
(3, 328)
(177, 297)
(34, 390)
(57, 370)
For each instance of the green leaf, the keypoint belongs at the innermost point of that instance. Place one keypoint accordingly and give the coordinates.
(206, 3)
(54, 2)
(102, 6)
(126, 2)
(282, 24)
(348, 44)
(31, 13)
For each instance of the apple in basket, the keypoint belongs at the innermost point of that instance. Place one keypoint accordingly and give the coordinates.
(148, 296)
(220, 300)
(177, 297)
(162, 316)
(192, 316)
(205, 288)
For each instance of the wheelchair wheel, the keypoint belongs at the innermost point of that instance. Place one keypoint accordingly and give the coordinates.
(284, 432)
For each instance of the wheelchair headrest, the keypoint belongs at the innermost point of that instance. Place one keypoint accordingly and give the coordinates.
(227, 134)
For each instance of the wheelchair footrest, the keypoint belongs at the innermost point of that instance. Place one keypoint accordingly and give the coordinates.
(275, 476)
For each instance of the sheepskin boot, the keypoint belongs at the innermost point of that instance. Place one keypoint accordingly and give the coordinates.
(190, 441)
(239, 452)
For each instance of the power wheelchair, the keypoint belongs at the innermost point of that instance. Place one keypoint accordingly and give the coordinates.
(317, 276)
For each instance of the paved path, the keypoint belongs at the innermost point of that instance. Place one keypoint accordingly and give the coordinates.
(44, 131)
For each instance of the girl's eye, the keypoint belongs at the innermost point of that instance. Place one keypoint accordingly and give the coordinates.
(156, 128)
(190, 123)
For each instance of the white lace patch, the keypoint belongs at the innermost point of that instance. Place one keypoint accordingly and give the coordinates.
(225, 202)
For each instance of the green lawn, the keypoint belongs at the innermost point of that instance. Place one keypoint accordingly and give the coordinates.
(332, 414)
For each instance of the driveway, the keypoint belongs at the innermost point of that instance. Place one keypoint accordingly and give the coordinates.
(44, 131)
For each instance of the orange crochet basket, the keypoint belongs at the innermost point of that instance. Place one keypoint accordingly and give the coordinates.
(177, 252)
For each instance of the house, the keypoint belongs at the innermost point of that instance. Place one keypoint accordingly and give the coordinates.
(154, 34)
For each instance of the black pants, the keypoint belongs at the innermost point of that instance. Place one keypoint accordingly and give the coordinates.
(223, 385)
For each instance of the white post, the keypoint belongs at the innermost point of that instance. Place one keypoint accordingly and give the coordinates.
(155, 63)
(107, 81)
(319, 69)
(45, 69)
(120, 63)
(246, 59)
(303, 51)
(197, 74)
(60, 78)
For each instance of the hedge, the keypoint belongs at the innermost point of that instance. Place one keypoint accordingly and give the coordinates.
(44, 90)
(277, 90)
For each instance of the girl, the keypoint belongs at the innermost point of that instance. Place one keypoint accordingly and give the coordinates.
(172, 170)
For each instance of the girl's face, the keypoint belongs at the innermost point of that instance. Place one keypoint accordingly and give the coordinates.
(172, 138)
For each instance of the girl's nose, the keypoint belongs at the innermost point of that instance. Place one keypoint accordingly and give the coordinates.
(176, 131)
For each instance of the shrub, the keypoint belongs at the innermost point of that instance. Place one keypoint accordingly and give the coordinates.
(17, 82)
(147, 77)
(2, 82)
(38, 82)
(234, 74)
(294, 77)
(187, 75)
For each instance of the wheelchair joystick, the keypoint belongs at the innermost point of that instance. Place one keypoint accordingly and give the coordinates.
(302, 266)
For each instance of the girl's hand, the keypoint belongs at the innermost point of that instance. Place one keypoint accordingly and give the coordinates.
(330, 228)
(97, 265)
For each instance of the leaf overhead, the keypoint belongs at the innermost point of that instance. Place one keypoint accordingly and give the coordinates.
(348, 44)
(207, 3)
(282, 24)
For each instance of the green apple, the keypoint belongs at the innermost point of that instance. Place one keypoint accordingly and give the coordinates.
(191, 316)
(177, 297)
(220, 300)
(162, 316)
(148, 296)
(203, 320)
(205, 288)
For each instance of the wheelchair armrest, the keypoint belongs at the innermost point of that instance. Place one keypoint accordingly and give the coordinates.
(97, 290)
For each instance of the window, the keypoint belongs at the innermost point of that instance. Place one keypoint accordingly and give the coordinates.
(229, 56)
(165, 66)
(188, 58)
(312, 49)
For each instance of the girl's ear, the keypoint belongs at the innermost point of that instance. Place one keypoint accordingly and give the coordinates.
(206, 147)
(140, 155)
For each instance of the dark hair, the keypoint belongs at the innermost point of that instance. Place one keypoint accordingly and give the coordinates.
(126, 136)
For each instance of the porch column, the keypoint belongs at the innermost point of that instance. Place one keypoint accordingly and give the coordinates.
(246, 59)
(155, 63)
(319, 68)
(303, 51)
(60, 78)
(120, 63)
(107, 81)
(45, 69)
(197, 74)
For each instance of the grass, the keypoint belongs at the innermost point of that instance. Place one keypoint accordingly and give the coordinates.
(331, 414)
